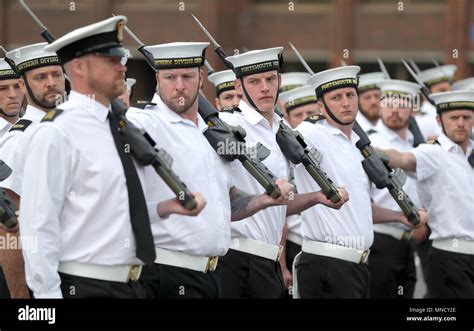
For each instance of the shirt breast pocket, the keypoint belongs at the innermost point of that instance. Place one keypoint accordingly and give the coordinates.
(456, 179)
(188, 164)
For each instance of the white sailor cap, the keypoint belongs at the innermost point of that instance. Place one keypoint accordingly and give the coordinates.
(178, 54)
(291, 80)
(256, 61)
(370, 81)
(453, 100)
(6, 72)
(32, 56)
(438, 74)
(332, 79)
(464, 84)
(298, 97)
(222, 80)
(102, 38)
(129, 82)
(399, 87)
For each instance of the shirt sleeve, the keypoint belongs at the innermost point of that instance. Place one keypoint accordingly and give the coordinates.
(136, 118)
(153, 189)
(427, 162)
(45, 186)
(13, 153)
(229, 118)
(303, 181)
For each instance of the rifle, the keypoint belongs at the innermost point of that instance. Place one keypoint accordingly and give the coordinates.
(219, 134)
(383, 68)
(210, 69)
(415, 129)
(380, 173)
(382, 176)
(439, 67)
(424, 90)
(291, 142)
(418, 137)
(142, 147)
(414, 66)
(45, 32)
(7, 206)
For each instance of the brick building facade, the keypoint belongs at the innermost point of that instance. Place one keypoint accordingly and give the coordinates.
(325, 31)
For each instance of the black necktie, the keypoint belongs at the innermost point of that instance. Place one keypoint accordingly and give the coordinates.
(136, 199)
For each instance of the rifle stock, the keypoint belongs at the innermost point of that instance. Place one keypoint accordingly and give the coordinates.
(146, 154)
(221, 134)
(7, 206)
(382, 176)
(141, 149)
(7, 210)
(292, 144)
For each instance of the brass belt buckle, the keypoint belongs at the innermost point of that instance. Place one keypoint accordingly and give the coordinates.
(134, 273)
(280, 251)
(365, 256)
(211, 263)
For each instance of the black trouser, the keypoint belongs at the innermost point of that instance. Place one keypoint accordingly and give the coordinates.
(164, 281)
(4, 292)
(327, 277)
(292, 250)
(392, 267)
(451, 275)
(75, 287)
(250, 276)
(423, 249)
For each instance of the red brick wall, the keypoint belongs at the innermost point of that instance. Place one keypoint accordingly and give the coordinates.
(320, 29)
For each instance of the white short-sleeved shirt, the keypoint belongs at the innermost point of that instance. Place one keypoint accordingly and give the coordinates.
(267, 224)
(75, 198)
(13, 147)
(351, 225)
(446, 188)
(294, 221)
(201, 169)
(386, 138)
(294, 224)
(4, 126)
(364, 123)
(156, 98)
(427, 121)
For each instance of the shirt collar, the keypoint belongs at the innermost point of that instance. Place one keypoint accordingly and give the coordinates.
(95, 108)
(392, 135)
(156, 98)
(4, 123)
(254, 117)
(450, 146)
(336, 131)
(167, 114)
(364, 122)
(34, 113)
